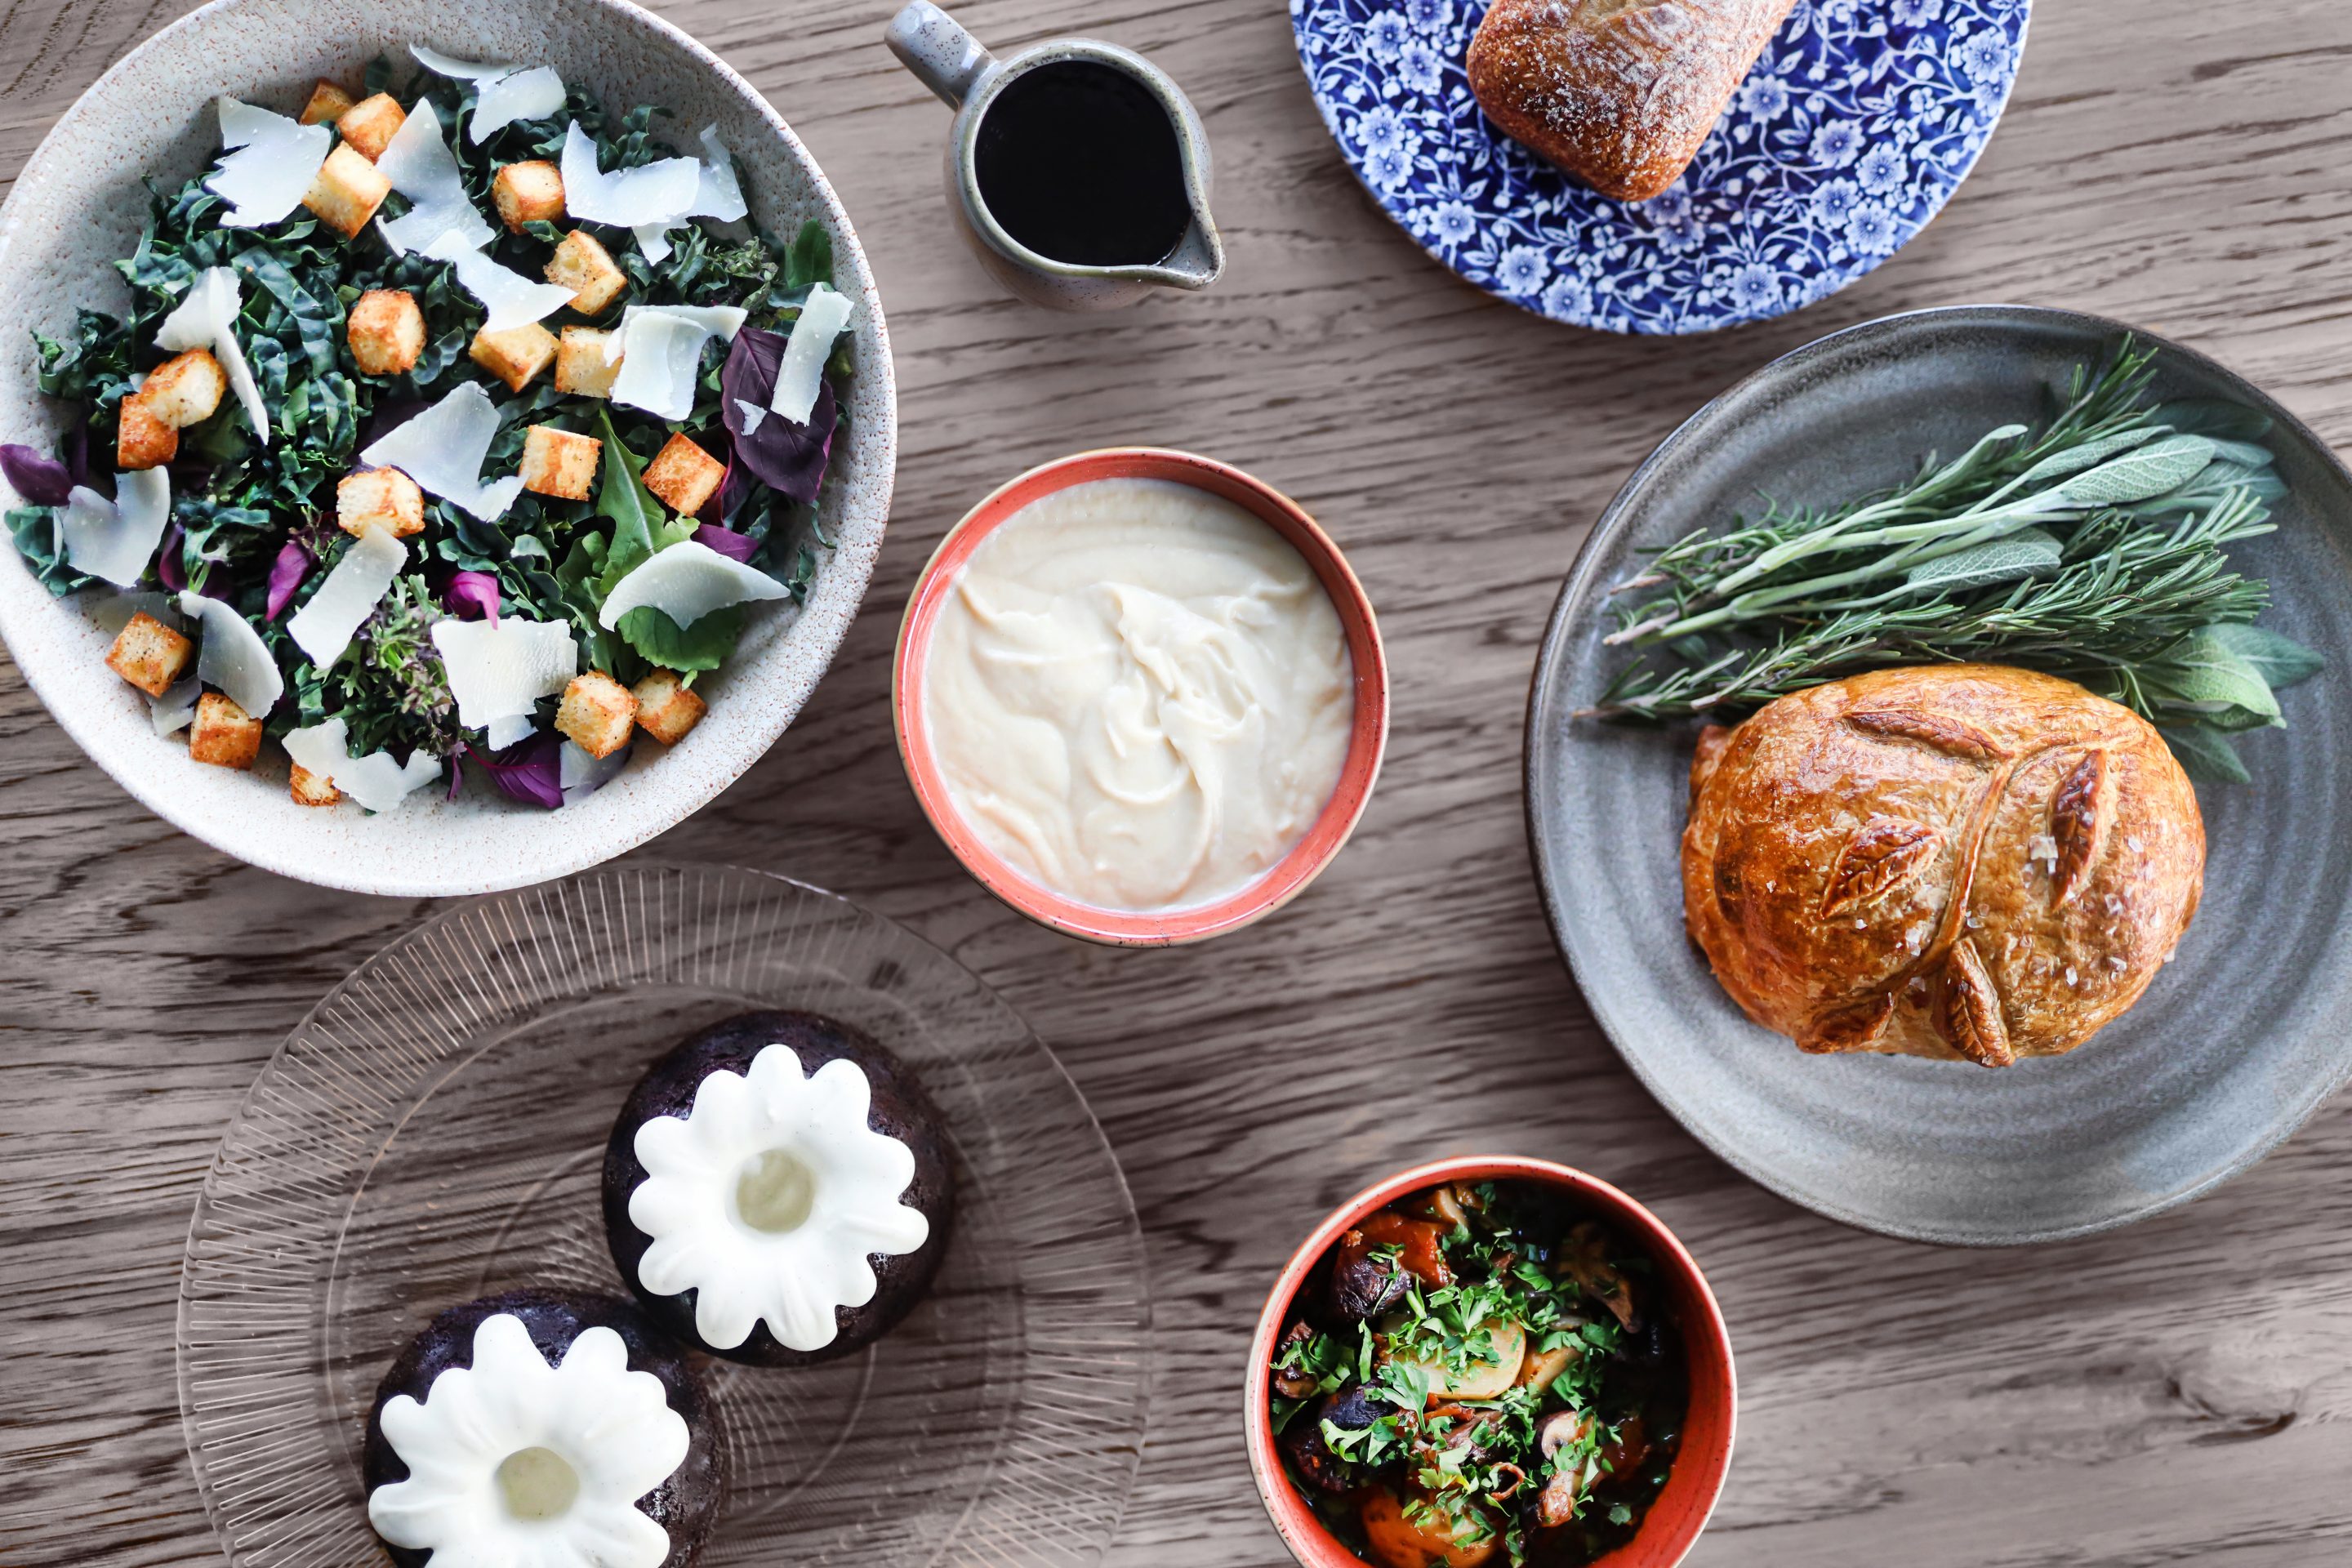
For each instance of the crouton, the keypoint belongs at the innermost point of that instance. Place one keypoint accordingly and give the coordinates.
(559, 463)
(148, 654)
(596, 713)
(386, 331)
(223, 734)
(684, 476)
(347, 192)
(183, 389)
(517, 355)
(588, 270)
(379, 498)
(581, 368)
(141, 441)
(327, 104)
(528, 192)
(369, 125)
(665, 709)
(309, 789)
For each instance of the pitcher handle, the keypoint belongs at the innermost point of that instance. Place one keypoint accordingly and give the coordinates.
(932, 44)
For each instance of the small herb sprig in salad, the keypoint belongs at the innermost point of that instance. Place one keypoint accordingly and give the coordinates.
(453, 420)
(1478, 1375)
(2095, 547)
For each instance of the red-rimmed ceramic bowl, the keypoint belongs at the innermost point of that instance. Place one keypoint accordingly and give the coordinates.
(1367, 741)
(1680, 1512)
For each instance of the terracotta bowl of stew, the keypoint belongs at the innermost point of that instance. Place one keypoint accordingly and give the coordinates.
(1367, 741)
(1664, 1288)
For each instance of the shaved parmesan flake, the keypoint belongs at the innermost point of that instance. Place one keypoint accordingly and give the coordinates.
(533, 94)
(661, 353)
(270, 164)
(205, 318)
(418, 163)
(233, 657)
(508, 92)
(176, 708)
(442, 449)
(653, 241)
(822, 316)
(498, 672)
(719, 194)
(375, 780)
(323, 627)
(577, 773)
(115, 540)
(512, 298)
(455, 69)
(510, 730)
(660, 193)
(685, 583)
(752, 414)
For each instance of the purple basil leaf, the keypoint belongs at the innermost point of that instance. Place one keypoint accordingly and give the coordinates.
(726, 541)
(169, 569)
(44, 481)
(78, 452)
(473, 596)
(788, 456)
(286, 574)
(529, 771)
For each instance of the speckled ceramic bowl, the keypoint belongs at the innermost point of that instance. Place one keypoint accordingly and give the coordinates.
(1367, 741)
(1675, 1519)
(78, 205)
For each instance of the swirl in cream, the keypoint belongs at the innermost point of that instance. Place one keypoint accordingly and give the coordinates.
(1139, 694)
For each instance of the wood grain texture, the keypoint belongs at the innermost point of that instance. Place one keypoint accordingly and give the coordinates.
(2174, 1393)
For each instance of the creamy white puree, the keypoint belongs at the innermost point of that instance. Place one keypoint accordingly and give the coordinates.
(1138, 695)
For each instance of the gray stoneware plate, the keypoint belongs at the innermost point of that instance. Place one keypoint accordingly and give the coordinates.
(78, 205)
(2240, 1038)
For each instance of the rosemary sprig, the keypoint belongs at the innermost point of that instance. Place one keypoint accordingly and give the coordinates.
(2094, 549)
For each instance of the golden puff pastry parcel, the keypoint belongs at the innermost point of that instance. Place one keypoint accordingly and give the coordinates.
(1968, 862)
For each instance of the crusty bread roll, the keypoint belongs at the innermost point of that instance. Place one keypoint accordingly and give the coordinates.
(1962, 861)
(1619, 93)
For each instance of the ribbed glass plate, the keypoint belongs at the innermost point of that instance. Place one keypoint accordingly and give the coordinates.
(434, 1132)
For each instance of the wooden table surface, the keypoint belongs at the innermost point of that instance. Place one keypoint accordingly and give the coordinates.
(2177, 1391)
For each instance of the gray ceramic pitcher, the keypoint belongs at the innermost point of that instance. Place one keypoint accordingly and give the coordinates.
(954, 65)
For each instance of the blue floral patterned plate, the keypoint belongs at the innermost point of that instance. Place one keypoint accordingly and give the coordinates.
(1854, 128)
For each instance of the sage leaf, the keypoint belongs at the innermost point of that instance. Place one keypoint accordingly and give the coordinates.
(2027, 553)
(2216, 418)
(2140, 473)
(2247, 454)
(2071, 461)
(2281, 660)
(2207, 757)
(2205, 675)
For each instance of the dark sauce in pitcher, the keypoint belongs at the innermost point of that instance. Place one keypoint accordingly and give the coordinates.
(1078, 160)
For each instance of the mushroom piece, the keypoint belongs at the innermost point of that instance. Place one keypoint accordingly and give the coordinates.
(1463, 1539)
(1295, 1385)
(1583, 1258)
(1556, 1503)
(1363, 1283)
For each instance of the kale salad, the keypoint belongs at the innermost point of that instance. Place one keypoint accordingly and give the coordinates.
(1478, 1374)
(454, 421)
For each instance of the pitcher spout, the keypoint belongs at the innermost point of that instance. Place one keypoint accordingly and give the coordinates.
(1198, 258)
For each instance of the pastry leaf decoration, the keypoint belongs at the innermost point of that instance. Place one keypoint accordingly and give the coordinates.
(1953, 737)
(2078, 815)
(1882, 852)
(1967, 1014)
(1855, 1029)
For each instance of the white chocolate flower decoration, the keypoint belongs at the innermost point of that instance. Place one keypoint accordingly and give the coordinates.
(767, 1198)
(513, 1463)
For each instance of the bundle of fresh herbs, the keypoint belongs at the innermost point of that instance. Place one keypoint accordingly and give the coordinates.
(2094, 548)
(254, 523)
